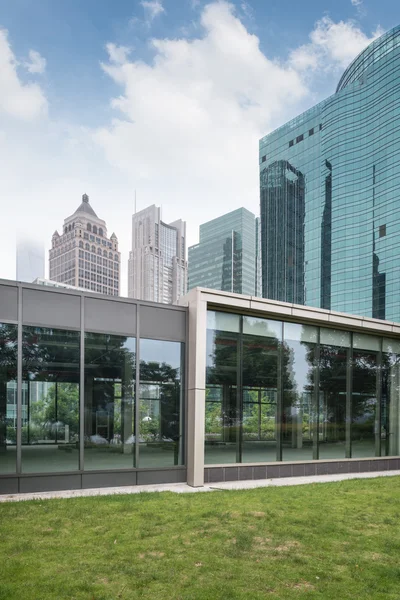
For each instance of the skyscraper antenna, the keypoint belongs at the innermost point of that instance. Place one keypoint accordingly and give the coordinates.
(135, 201)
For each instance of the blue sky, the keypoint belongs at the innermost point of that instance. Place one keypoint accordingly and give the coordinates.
(72, 36)
(177, 119)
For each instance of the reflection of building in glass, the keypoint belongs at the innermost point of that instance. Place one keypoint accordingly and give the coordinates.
(30, 260)
(226, 256)
(83, 256)
(157, 268)
(346, 149)
(98, 391)
(282, 192)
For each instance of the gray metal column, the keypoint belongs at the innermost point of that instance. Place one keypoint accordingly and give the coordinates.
(137, 390)
(279, 399)
(239, 395)
(378, 408)
(349, 394)
(315, 398)
(82, 388)
(19, 383)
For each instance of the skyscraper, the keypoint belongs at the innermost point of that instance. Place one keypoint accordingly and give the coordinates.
(330, 213)
(226, 256)
(157, 267)
(83, 255)
(30, 260)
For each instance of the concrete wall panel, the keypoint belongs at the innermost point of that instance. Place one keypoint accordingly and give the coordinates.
(108, 316)
(8, 303)
(162, 323)
(50, 309)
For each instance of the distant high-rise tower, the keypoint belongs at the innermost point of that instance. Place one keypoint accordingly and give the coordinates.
(83, 255)
(226, 256)
(30, 260)
(282, 199)
(330, 212)
(157, 268)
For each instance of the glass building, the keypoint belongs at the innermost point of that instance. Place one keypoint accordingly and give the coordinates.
(101, 392)
(226, 257)
(330, 215)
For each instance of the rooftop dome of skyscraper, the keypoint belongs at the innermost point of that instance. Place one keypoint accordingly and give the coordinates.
(85, 207)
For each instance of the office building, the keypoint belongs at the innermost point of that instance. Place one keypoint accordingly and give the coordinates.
(157, 267)
(101, 391)
(83, 256)
(226, 256)
(30, 260)
(330, 214)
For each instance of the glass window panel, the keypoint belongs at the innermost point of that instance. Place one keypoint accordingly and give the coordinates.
(364, 403)
(8, 397)
(390, 399)
(262, 327)
(335, 337)
(334, 360)
(300, 333)
(223, 321)
(161, 391)
(391, 346)
(222, 402)
(260, 391)
(110, 363)
(299, 414)
(50, 400)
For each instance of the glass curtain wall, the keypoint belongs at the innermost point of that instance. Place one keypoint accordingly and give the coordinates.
(334, 366)
(260, 351)
(8, 397)
(293, 392)
(50, 400)
(160, 407)
(222, 416)
(110, 367)
(365, 422)
(299, 411)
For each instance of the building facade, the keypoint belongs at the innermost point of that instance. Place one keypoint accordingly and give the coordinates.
(226, 257)
(98, 391)
(30, 260)
(157, 267)
(83, 256)
(329, 210)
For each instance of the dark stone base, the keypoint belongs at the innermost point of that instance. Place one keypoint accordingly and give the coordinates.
(23, 484)
(271, 471)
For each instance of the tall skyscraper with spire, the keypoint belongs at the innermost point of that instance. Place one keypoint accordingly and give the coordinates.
(83, 255)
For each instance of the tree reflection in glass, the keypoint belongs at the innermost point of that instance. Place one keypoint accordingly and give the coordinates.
(8, 397)
(110, 362)
(50, 399)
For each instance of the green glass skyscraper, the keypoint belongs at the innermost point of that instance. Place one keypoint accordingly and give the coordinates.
(329, 180)
(226, 256)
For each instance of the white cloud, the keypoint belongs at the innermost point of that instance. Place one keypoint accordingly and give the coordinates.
(152, 9)
(118, 54)
(356, 2)
(185, 130)
(186, 126)
(332, 45)
(17, 99)
(36, 63)
(247, 9)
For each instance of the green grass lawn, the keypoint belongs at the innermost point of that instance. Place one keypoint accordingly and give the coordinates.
(331, 541)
